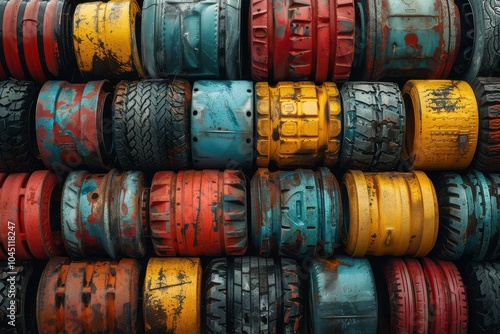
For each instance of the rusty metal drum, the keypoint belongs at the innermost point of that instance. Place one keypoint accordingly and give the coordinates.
(88, 297)
(389, 213)
(74, 126)
(198, 213)
(301, 40)
(410, 39)
(172, 296)
(192, 38)
(104, 214)
(107, 41)
(222, 116)
(295, 213)
(342, 296)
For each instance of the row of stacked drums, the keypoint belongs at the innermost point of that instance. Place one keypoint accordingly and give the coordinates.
(42, 40)
(294, 220)
(299, 218)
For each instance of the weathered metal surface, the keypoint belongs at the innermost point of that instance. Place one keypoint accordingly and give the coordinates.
(18, 283)
(73, 125)
(389, 213)
(469, 208)
(35, 39)
(222, 116)
(107, 41)
(26, 213)
(442, 124)
(343, 297)
(88, 297)
(374, 125)
(233, 284)
(416, 39)
(195, 38)
(198, 213)
(487, 92)
(103, 214)
(296, 213)
(298, 124)
(172, 296)
(301, 40)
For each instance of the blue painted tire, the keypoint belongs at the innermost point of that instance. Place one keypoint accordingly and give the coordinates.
(469, 210)
(222, 116)
(295, 213)
(374, 125)
(342, 296)
(195, 39)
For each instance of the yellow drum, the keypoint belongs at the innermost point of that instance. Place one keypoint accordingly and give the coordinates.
(298, 124)
(442, 125)
(389, 213)
(172, 294)
(107, 40)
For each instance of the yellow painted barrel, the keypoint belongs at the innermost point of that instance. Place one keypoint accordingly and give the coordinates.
(172, 295)
(389, 213)
(107, 40)
(442, 126)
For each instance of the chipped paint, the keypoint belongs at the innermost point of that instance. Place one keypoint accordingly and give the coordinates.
(102, 214)
(296, 213)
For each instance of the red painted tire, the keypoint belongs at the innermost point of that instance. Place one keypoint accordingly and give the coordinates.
(438, 300)
(457, 298)
(196, 213)
(401, 297)
(36, 39)
(3, 249)
(307, 40)
(25, 214)
(417, 278)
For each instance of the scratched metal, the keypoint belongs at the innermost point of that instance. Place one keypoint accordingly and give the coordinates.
(172, 296)
(73, 125)
(107, 41)
(343, 296)
(301, 40)
(198, 213)
(222, 116)
(295, 213)
(103, 214)
(409, 39)
(88, 297)
(192, 38)
(27, 202)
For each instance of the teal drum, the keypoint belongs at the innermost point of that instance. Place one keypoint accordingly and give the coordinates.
(342, 296)
(191, 38)
(295, 213)
(222, 116)
(405, 39)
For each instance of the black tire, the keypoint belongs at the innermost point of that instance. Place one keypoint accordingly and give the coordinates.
(469, 215)
(479, 52)
(151, 124)
(18, 147)
(25, 297)
(482, 281)
(487, 157)
(374, 125)
(243, 295)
